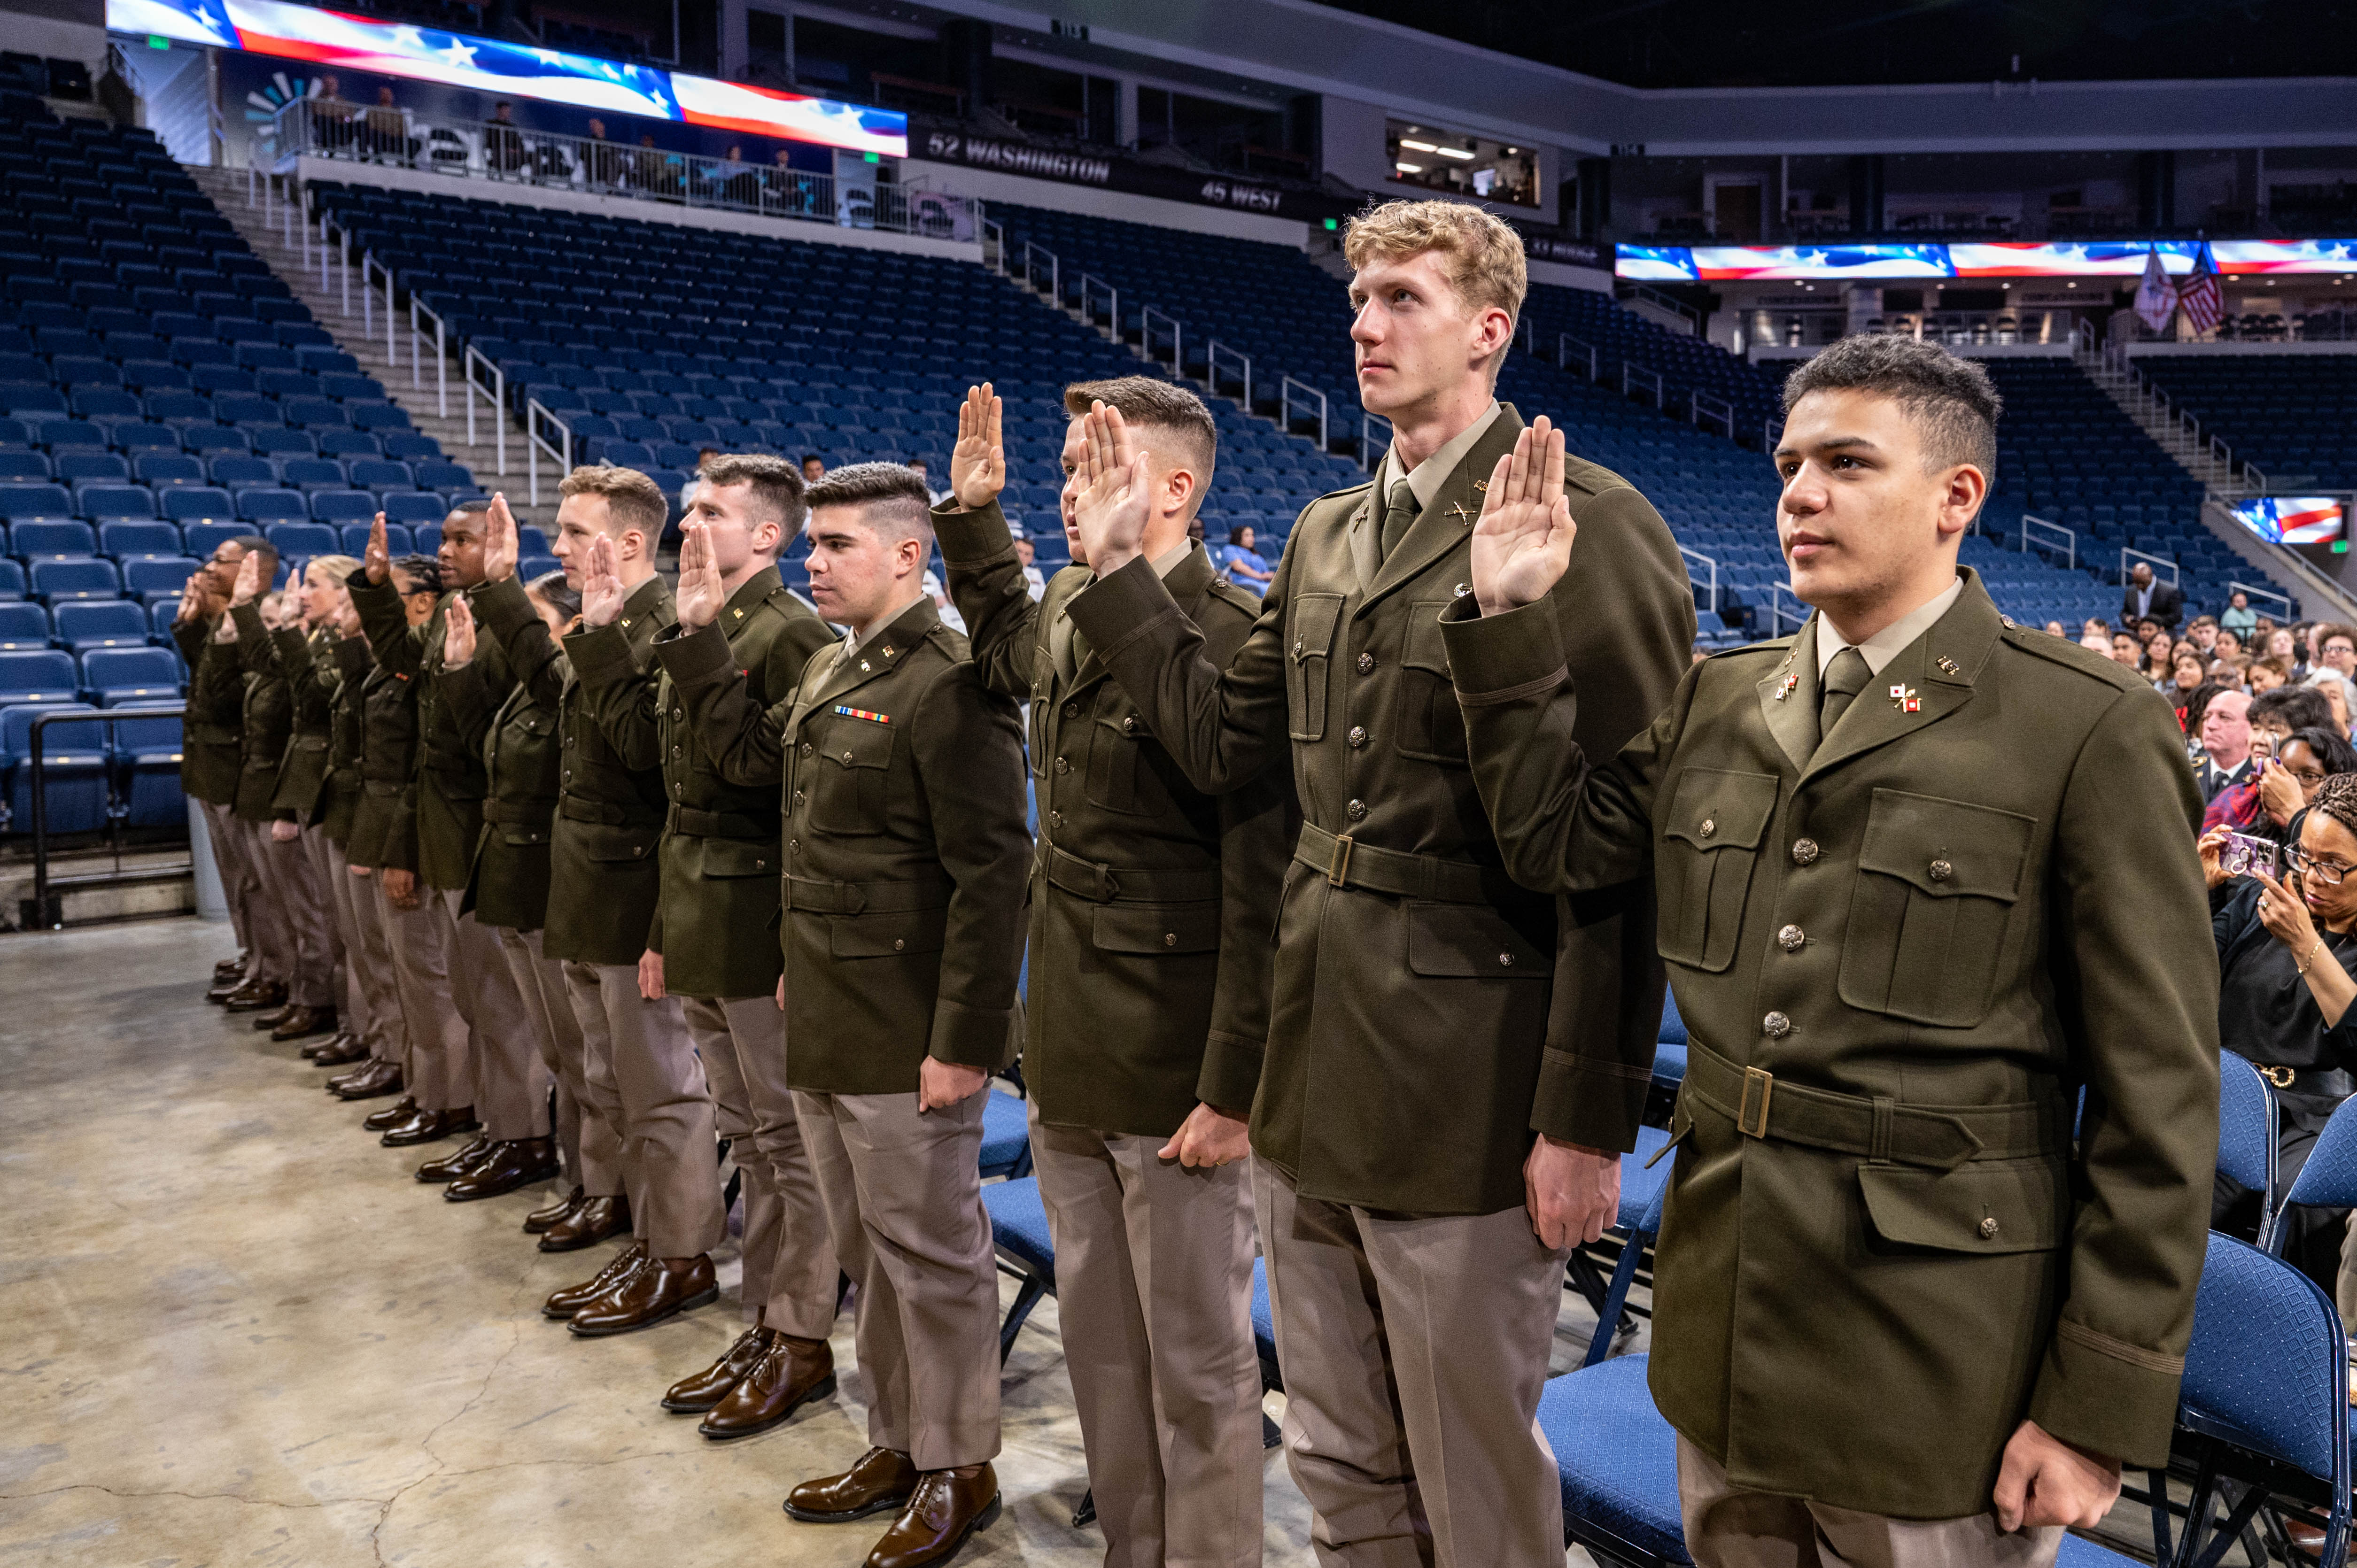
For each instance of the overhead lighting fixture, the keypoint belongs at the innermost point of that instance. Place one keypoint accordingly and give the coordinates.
(1452, 152)
(1418, 146)
(1409, 168)
(2072, 284)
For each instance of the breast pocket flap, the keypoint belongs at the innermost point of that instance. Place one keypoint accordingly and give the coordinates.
(1946, 849)
(1715, 808)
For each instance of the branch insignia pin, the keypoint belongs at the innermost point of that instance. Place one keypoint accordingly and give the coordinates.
(1904, 699)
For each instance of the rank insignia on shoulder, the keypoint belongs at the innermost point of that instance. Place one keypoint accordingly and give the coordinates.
(864, 713)
(1948, 666)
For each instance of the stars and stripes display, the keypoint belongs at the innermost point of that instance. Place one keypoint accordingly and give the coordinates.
(2199, 297)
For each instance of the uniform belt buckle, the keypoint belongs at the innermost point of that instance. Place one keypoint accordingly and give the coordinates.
(1338, 867)
(1751, 1124)
(2281, 1077)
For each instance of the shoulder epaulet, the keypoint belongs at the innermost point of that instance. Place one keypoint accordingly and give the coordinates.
(1225, 590)
(2070, 656)
(1366, 484)
(1594, 478)
(1772, 645)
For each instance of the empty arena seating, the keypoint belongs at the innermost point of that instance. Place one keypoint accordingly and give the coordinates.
(2289, 414)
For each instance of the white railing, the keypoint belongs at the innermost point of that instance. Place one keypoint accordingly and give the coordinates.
(418, 307)
(1771, 430)
(1368, 454)
(1055, 270)
(493, 391)
(2045, 538)
(537, 417)
(344, 248)
(993, 247)
(1091, 286)
(368, 329)
(1568, 349)
(1146, 320)
(1211, 352)
(1712, 563)
(2155, 562)
(1722, 411)
(1778, 592)
(2252, 590)
(1287, 391)
(1634, 375)
(2251, 478)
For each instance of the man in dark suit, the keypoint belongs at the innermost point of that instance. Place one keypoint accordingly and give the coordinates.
(2226, 738)
(2149, 599)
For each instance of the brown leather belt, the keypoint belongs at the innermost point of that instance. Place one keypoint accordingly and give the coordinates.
(1346, 863)
(1107, 885)
(1940, 1136)
(816, 896)
(538, 810)
(723, 825)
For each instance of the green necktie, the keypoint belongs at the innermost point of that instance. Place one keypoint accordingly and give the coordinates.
(1397, 518)
(1845, 677)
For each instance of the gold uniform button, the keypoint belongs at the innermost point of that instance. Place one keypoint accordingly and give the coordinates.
(1356, 811)
(1709, 826)
(1169, 938)
(846, 757)
(1063, 765)
(1129, 725)
(1366, 663)
(793, 843)
(1988, 1229)
(898, 943)
(1776, 1026)
(1358, 736)
(1790, 938)
(1505, 961)
(1071, 710)
(1941, 871)
(806, 749)
(1805, 852)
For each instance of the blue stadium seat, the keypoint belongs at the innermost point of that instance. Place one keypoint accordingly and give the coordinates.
(55, 582)
(261, 506)
(131, 675)
(215, 440)
(117, 503)
(243, 471)
(35, 541)
(129, 541)
(312, 474)
(42, 675)
(302, 539)
(12, 581)
(80, 468)
(72, 435)
(283, 443)
(147, 764)
(197, 504)
(23, 627)
(114, 624)
(350, 443)
(445, 476)
(164, 469)
(73, 772)
(380, 473)
(151, 582)
(18, 467)
(340, 506)
(206, 535)
(415, 509)
(32, 503)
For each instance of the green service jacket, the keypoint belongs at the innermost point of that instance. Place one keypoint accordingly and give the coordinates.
(1428, 1016)
(308, 661)
(604, 876)
(1901, 955)
(340, 802)
(450, 779)
(1151, 902)
(213, 735)
(906, 853)
(522, 763)
(385, 824)
(269, 719)
(719, 910)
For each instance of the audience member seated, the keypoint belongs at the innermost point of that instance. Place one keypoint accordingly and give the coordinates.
(1241, 563)
(2275, 718)
(2284, 956)
(2225, 731)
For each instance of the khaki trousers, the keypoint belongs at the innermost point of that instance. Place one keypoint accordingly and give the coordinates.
(903, 1194)
(642, 1075)
(1154, 1291)
(236, 876)
(1729, 1528)
(511, 1078)
(368, 958)
(293, 883)
(435, 1070)
(790, 1268)
(327, 864)
(267, 917)
(591, 1146)
(1414, 1351)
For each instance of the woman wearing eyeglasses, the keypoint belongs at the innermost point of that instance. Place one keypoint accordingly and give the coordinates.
(2286, 950)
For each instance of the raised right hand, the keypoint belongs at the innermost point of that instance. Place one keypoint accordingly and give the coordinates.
(978, 461)
(192, 600)
(249, 580)
(1522, 545)
(601, 585)
(1116, 492)
(701, 595)
(458, 635)
(378, 563)
(500, 548)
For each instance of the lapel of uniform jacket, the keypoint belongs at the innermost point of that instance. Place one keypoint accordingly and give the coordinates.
(751, 596)
(1934, 672)
(1440, 527)
(1788, 698)
(884, 652)
(1361, 537)
(1189, 583)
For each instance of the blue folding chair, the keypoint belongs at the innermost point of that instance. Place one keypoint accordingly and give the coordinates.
(2246, 1136)
(1005, 1135)
(1018, 1234)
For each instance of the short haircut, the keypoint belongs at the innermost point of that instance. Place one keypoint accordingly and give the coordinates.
(561, 596)
(1482, 256)
(891, 497)
(255, 544)
(1951, 400)
(338, 568)
(1157, 405)
(632, 500)
(423, 570)
(2293, 708)
(2201, 620)
(2331, 748)
(809, 458)
(2275, 667)
(776, 486)
(473, 506)
(2333, 628)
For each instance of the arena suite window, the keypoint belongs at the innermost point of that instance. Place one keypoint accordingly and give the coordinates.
(1462, 164)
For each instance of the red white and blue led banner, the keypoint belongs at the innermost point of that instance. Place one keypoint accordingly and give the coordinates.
(2066, 258)
(511, 71)
(2293, 519)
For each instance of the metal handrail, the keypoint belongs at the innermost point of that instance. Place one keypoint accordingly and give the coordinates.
(368, 326)
(1769, 429)
(1145, 325)
(344, 239)
(496, 395)
(2158, 562)
(2253, 476)
(1778, 592)
(534, 413)
(1366, 438)
(1566, 345)
(1113, 302)
(42, 910)
(993, 247)
(418, 307)
(2291, 611)
(1055, 271)
(1633, 372)
(1286, 387)
(1725, 414)
(1711, 562)
(2069, 537)
(1211, 352)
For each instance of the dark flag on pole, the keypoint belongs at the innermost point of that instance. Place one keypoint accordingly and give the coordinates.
(2198, 296)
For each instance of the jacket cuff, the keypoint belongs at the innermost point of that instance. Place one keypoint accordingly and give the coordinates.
(1597, 1104)
(2106, 1396)
(353, 658)
(1504, 656)
(974, 538)
(502, 606)
(249, 629)
(693, 656)
(971, 1037)
(1116, 611)
(1230, 1074)
(600, 655)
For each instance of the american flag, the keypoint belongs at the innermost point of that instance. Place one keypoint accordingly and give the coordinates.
(2199, 296)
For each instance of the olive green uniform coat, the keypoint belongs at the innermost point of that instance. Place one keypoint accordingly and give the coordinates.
(522, 763)
(212, 732)
(904, 854)
(339, 800)
(604, 876)
(716, 922)
(1151, 902)
(385, 824)
(268, 718)
(1901, 955)
(308, 661)
(1428, 1015)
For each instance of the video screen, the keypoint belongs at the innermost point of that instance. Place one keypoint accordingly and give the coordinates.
(2294, 519)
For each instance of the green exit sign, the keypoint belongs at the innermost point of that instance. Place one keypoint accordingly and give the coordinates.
(2340, 547)
(158, 41)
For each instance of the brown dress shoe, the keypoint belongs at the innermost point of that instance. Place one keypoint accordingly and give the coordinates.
(431, 1127)
(699, 1391)
(882, 1480)
(301, 1023)
(229, 968)
(271, 1019)
(948, 1508)
(256, 996)
(538, 1220)
(512, 1162)
(340, 1050)
(572, 1298)
(794, 1373)
(657, 1289)
(368, 1081)
(311, 1053)
(392, 1116)
(595, 1219)
(225, 986)
(458, 1162)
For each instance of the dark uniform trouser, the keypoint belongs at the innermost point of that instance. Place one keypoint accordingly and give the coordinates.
(789, 1267)
(269, 920)
(1154, 1268)
(293, 884)
(509, 1082)
(237, 880)
(641, 1074)
(368, 956)
(903, 1192)
(591, 1146)
(1414, 1351)
(435, 1071)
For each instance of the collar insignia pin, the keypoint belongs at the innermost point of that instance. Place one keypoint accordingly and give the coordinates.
(1947, 665)
(1785, 690)
(1459, 514)
(1481, 485)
